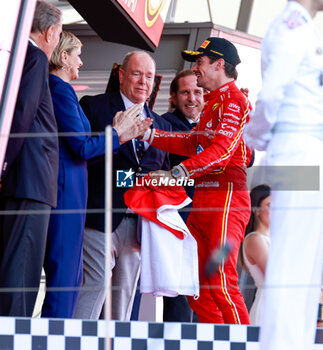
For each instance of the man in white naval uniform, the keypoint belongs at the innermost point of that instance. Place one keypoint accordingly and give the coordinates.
(288, 123)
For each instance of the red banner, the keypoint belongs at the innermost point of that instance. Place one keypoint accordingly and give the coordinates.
(149, 15)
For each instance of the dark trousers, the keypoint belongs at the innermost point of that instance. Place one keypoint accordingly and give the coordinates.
(63, 264)
(22, 249)
(178, 310)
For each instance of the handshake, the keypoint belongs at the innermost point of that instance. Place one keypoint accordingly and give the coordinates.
(129, 123)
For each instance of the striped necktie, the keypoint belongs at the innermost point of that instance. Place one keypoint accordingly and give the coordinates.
(140, 148)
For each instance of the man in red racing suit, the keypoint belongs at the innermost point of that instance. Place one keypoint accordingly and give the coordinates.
(221, 203)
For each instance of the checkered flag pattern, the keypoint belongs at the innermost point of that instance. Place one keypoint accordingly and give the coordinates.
(50, 334)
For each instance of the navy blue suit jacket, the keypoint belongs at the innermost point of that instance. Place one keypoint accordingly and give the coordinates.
(100, 111)
(179, 123)
(31, 163)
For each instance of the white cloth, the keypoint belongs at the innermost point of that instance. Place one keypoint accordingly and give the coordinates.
(288, 122)
(169, 265)
(292, 63)
(294, 267)
(256, 310)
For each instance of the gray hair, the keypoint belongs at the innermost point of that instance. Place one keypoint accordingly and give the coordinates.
(45, 16)
(127, 57)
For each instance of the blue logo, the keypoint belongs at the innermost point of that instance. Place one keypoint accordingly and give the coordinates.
(125, 178)
(199, 149)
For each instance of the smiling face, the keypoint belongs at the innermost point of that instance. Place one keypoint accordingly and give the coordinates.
(73, 62)
(189, 97)
(137, 79)
(205, 72)
(209, 75)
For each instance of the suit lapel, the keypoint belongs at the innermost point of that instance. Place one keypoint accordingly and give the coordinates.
(116, 102)
(150, 115)
(181, 117)
(118, 105)
(154, 125)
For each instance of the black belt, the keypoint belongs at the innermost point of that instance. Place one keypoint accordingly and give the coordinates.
(320, 314)
(131, 215)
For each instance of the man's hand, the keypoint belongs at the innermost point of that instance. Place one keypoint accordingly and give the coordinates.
(142, 126)
(245, 91)
(128, 124)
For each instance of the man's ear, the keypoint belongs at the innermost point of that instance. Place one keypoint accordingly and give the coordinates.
(220, 63)
(121, 75)
(48, 34)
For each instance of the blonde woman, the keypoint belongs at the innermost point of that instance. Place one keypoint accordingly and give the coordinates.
(63, 260)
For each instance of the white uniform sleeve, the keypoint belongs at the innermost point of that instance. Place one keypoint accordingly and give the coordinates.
(282, 52)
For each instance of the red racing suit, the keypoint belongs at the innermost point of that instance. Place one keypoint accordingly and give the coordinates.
(221, 202)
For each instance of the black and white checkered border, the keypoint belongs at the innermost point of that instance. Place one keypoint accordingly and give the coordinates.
(50, 334)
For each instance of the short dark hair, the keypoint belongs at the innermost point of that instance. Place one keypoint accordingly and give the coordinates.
(229, 69)
(45, 16)
(182, 74)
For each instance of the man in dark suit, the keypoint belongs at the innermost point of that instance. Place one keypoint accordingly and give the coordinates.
(186, 100)
(136, 82)
(29, 174)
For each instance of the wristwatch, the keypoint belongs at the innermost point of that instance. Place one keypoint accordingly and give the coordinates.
(175, 172)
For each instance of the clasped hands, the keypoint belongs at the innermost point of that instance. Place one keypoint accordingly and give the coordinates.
(129, 125)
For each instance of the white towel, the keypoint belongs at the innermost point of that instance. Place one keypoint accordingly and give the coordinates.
(169, 265)
(169, 261)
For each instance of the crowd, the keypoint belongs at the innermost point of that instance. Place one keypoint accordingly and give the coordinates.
(209, 136)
